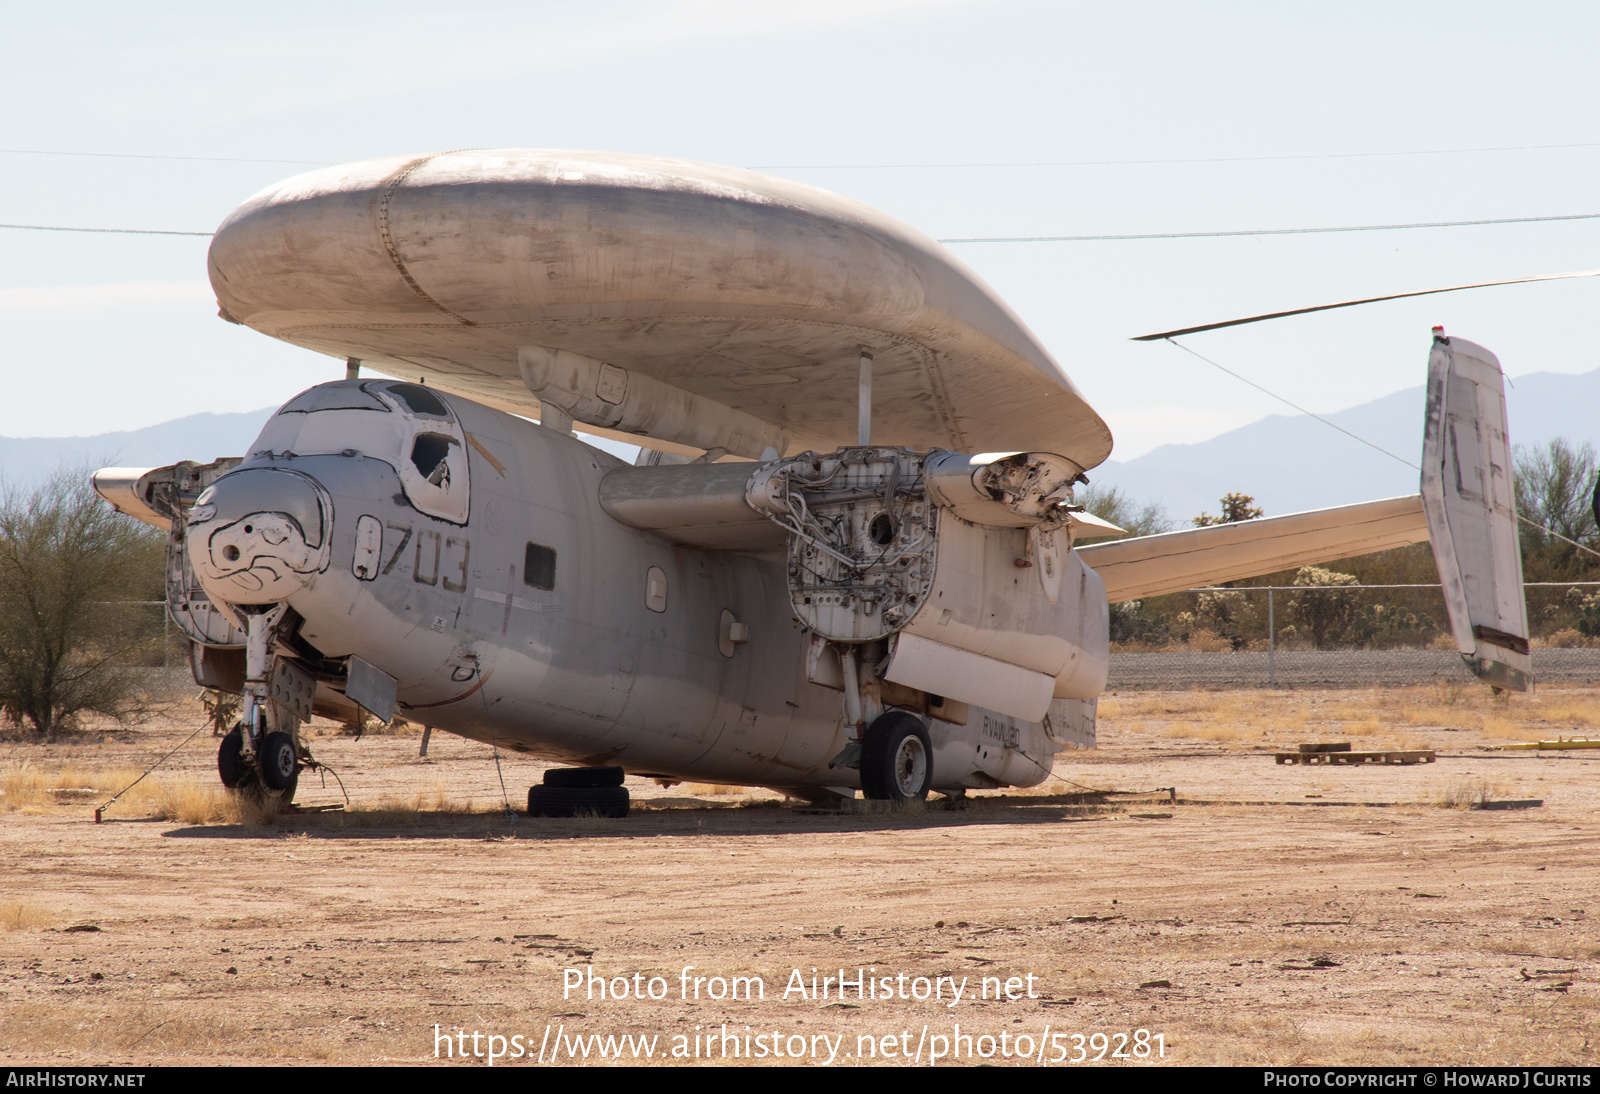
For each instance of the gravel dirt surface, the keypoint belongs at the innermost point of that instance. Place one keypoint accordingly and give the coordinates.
(1363, 915)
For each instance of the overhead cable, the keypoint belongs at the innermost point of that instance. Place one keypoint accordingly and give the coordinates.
(1274, 231)
(1032, 239)
(143, 156)
(1376, 448)
(1296, 406)
(103, 231)
(1156, 162)
(904, 166)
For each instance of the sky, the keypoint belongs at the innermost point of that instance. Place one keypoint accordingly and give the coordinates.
(1081, 118)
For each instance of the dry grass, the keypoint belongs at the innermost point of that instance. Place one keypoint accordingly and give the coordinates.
(156, 1032)
(1572, 947)
(365, 726)
(435, 799)
(1399, 718)
(188, 801)
(183, 799)
(18, 915)
(1572, 711)
(713, 790)
(1469, 792)
(1220, 733)
(1494, 726)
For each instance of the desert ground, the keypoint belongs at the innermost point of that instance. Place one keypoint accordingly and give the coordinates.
(1234, 910)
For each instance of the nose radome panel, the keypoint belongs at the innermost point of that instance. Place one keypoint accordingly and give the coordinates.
(257, 534)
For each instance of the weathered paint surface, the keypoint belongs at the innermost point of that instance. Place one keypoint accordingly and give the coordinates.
(586, 670)
(747, 292)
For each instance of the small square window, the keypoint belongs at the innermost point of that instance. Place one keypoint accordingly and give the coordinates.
(655, 589)
(539, 567)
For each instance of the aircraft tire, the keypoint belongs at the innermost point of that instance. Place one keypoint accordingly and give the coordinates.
(896, 759)
(569, 801)
(583, 778)
(231, 767)
(279, 762)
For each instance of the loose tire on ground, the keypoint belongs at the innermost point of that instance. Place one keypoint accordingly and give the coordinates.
(896, 758)
(569, 801)
(583, 778)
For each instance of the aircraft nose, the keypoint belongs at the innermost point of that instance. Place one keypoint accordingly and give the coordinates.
(257, 535)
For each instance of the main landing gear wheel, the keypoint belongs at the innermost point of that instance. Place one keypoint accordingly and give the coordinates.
(896, 759)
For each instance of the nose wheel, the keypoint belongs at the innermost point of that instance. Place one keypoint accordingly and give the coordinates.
(279, 764)
(276, 769)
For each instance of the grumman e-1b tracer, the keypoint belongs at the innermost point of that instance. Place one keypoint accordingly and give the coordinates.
(848, 558)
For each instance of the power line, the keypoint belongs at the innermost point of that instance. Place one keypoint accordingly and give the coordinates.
(902, 166)
(143, 156)
(1273, 231)
(103, 231)
(1525, 520)
(1158, 162)
(1296, 406)
(1232, 234)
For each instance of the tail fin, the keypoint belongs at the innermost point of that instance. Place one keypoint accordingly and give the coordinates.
(1470, 504)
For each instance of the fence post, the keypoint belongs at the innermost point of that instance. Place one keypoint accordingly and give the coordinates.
(1272, 643)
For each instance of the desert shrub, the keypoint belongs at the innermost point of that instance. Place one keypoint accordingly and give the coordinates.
(1325, 613)
(69, 567)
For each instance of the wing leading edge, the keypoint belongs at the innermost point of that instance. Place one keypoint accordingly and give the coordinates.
(1173, 561)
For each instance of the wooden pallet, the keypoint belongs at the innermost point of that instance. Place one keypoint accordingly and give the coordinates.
(1413, 756)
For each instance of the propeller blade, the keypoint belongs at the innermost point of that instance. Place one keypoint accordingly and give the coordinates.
(1353, 303)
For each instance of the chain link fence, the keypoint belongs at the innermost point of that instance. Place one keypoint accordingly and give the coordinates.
(1333, 636)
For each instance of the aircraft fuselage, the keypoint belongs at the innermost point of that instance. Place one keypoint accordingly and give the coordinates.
(525, 616)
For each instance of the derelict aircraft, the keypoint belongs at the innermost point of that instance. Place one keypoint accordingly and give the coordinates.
(847, 558)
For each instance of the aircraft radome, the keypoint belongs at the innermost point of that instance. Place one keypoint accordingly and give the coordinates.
(848, 559)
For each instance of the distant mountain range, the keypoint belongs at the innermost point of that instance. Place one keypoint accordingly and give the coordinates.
(1292, 463)
(1286, 463)
(26, 461)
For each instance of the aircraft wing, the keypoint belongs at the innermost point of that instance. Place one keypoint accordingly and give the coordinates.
(732, 303)
(1167, 563)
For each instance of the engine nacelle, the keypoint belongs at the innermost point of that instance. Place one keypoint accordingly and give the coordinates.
(999, 613)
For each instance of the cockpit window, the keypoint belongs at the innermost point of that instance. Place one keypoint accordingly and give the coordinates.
(419, 399)
(332, 397)
(415, 432)
(429, 455)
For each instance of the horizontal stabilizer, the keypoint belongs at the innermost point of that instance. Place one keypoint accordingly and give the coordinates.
(1173, 561)
(1469, 499)
(127, 490)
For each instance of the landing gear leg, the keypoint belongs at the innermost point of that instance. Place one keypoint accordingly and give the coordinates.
(257, 669)
(261, 755)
